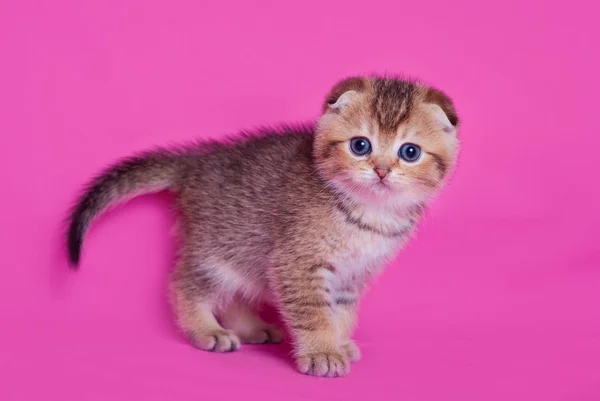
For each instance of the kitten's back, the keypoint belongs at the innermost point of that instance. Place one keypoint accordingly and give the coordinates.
(230, 197)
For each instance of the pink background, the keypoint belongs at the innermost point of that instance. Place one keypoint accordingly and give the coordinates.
(497, 299)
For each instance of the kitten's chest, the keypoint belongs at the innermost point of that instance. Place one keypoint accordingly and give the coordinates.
(362, 250)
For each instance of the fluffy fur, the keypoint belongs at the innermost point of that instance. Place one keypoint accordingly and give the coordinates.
(292, 217)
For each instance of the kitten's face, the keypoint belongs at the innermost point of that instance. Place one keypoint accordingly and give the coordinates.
(386, 141)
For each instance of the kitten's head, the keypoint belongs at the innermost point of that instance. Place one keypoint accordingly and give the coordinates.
(386, 140)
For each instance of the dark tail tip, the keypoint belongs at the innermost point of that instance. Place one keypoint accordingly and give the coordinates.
(75, 239)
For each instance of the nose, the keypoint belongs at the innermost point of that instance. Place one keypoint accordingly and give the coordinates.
(381, 172)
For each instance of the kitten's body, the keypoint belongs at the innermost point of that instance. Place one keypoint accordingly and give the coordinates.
(270, 219)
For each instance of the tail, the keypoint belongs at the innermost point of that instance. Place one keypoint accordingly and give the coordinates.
(145, 173)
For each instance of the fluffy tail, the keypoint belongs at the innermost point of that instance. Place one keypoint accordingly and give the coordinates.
(146, 173)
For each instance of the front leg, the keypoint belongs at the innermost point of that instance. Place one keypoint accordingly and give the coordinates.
(346, 301)
(305, 298)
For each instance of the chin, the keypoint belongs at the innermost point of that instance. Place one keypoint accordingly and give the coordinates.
(378, 192)
(399, 196)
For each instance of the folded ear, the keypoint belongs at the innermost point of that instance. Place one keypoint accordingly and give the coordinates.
(343, 93)
(438, 97)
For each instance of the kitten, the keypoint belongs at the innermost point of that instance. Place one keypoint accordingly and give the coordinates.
(301, 217)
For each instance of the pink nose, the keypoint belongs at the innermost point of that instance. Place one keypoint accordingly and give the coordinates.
(381, 172)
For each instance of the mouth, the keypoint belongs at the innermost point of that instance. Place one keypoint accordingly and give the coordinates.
(381, 185)
(369, 187)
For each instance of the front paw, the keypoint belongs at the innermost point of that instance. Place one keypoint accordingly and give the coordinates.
(352, 351)
(325, 364)
(216, 341)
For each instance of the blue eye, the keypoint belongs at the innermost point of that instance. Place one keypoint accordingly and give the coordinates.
(409, 153)
(360, 146)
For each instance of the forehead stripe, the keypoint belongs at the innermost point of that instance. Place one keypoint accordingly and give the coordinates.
(392, 102)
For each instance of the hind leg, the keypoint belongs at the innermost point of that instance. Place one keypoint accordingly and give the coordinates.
(195, 294)
(248, 326)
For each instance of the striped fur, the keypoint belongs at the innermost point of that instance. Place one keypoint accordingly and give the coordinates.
(291, 217)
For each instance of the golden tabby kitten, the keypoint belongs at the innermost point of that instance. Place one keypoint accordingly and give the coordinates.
(300, 217)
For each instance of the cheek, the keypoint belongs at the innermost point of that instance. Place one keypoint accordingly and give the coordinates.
(423, 174)
(357, 169)
(340, 162)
